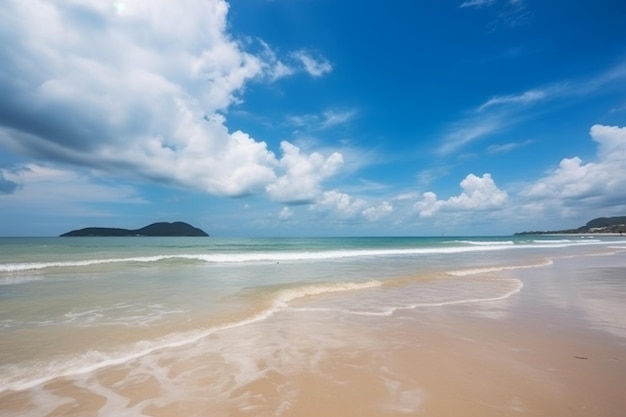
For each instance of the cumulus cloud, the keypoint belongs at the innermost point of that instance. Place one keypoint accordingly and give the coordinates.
(344, 206)
(341, 204)
(479, 194)
(374, 213)
(429, 205)
(595, 184)
(126, 87)
(302, 175)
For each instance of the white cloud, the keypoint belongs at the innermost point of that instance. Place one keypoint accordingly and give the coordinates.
(470, 130)
(509, 12)
(61, 191)
(286, 213)
(138, 88)
(514, 13)
(502, 111)
(429, 205)
(406, 196)
(341, 204)
(426, 176)
(611, 143)
(334, 118)
(344, 206)
(495, 115)
(374, 213)
(280, 70)
(477, 3)
(618, 109)
(316, 67)
(323, 121)
(479, 193)
(507, 147)
(525, 98)
(303, 175)
(273, 66)
(597, 184)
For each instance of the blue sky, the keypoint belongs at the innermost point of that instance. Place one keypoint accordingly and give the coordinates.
(312, 117)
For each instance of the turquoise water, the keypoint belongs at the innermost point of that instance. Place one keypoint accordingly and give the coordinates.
(71, 306)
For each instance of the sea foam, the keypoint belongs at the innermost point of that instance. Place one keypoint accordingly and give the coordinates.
(23, 376)
(458, 246)
(226, 258)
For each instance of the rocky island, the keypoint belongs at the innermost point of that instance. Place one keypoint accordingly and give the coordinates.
(598, 225)
(161, 229)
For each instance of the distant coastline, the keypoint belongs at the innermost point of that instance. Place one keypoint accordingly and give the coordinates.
(161, 229)
(601, 225)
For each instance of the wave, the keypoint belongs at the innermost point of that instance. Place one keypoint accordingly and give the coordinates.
(287, 295)
(26, 375)
(485, 242)
(512, 287)
(228, 258)
(17, 267)
(17, 280)
(18, 377)
(303, 255)
(486, 270)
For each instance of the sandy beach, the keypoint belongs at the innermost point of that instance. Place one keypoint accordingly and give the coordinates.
(555, 348)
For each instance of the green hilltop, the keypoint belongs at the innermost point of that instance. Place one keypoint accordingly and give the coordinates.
(597, 225)
(161, 229)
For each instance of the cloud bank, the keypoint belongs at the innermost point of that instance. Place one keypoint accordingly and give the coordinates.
(572, 189)
(61, 192)
(126, 88)
(595, 184)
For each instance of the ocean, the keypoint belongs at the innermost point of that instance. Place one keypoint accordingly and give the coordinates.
(195, 326)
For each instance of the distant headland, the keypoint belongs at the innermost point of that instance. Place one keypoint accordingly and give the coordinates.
(161, 229)
(598, 225)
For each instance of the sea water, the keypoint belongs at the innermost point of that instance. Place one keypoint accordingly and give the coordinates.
(73, 309)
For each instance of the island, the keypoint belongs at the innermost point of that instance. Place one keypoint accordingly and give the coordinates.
(598, 225)
(161, 229)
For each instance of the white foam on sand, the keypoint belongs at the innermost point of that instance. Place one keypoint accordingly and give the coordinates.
(27, 375)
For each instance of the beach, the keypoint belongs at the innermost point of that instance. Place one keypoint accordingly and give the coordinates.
(472, 327)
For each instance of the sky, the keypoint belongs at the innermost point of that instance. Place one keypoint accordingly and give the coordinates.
(312, 117)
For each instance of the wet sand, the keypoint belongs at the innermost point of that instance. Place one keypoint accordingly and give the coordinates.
(556, 348)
